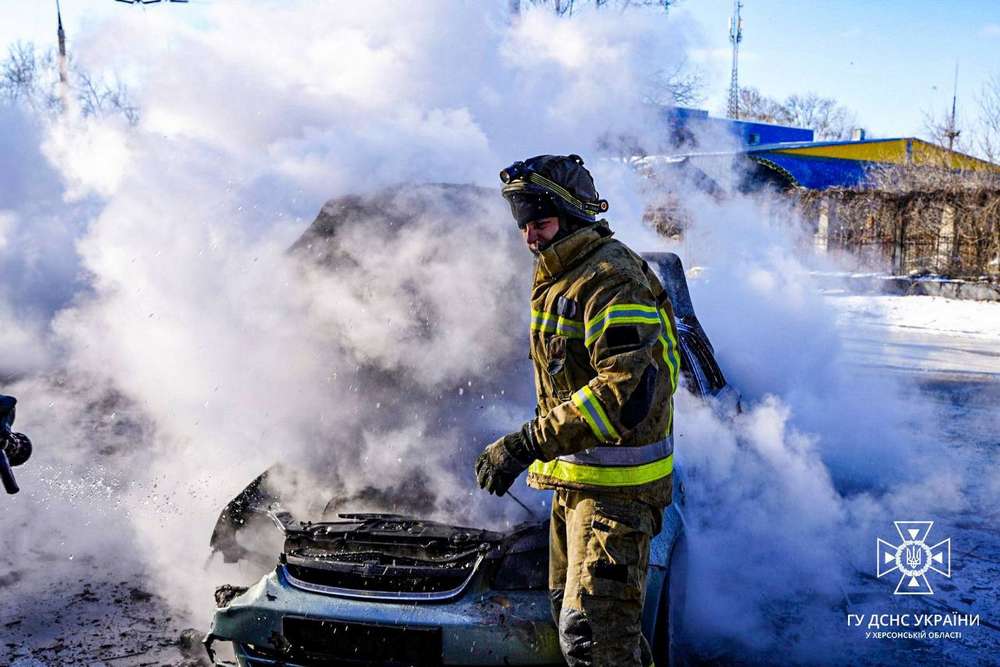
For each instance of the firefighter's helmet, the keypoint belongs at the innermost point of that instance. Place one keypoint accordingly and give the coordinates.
(547, 185)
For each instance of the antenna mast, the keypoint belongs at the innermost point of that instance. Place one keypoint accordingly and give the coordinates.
(63, 77)
(735, 36)
(953, 132)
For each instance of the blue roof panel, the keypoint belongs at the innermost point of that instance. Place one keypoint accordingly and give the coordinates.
(817, 173)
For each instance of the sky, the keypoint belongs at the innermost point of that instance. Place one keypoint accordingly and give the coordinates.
(888, 61)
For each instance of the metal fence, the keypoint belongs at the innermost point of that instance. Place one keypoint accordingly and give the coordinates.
(949, 232)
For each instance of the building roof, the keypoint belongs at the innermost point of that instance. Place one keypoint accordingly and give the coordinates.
(825, 164)
(819, 165)
(689, 125)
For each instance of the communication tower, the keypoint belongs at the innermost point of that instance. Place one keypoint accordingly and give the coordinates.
(735, 37)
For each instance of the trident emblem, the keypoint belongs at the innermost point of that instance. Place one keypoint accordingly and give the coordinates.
(913, 558)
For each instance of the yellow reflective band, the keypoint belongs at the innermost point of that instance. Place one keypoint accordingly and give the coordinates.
(538, 179)
(549, 323)
(552, 188)
(588, 417)
(593, 413)
(671, 353)
(602, 476)
(599, 409)
(621, 313)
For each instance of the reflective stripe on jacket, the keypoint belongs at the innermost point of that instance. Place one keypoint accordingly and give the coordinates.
(606, 360)
(612, 466)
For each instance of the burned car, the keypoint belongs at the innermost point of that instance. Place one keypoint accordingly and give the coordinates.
(396, 589)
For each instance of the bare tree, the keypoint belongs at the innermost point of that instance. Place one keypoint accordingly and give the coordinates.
(989, 119)
(755, 106)
(31, 79)
(566, 7)
(829, 120)
(941, 128)
(98, 98)
(19, 72)
(678, 85)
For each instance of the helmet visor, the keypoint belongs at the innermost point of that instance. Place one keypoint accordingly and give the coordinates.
(529, 206)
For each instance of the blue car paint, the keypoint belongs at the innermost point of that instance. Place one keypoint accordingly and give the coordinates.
(480, 627)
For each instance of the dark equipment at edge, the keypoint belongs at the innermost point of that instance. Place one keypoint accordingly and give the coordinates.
(15, 448)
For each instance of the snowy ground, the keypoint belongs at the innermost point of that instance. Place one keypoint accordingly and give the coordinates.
(949, 350)
(104, 614)
(952, 349)
(975, 556)
(926, 334)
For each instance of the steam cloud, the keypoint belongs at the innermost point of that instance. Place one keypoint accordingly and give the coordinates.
(167, 349)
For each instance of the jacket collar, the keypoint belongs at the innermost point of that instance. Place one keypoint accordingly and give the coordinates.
(566, 253)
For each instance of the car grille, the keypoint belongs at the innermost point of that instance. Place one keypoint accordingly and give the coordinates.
(382, 577)
(349, 643)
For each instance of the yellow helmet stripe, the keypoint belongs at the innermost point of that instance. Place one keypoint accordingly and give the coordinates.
(557, 189)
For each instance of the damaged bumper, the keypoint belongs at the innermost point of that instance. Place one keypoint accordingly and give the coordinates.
(275, 623)
(390, 590)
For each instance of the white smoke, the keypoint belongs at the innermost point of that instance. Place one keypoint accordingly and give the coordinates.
(169, 349)
(183, 312)
(786, 499)
(38, 230)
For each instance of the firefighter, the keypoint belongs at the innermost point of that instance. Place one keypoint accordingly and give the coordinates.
(606, 362)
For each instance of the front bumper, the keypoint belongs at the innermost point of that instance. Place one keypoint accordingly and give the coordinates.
(482, 627)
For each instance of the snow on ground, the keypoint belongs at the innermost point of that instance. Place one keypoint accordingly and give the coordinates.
(944, 355)
(925, 334)
(951, 350)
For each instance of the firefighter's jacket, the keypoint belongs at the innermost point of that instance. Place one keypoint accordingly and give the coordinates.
(606, 359)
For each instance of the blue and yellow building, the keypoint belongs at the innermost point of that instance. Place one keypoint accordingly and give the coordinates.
(847, 164)
(789, 157)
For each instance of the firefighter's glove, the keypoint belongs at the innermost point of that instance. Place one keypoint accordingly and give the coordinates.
(17, 447)
(501, 462)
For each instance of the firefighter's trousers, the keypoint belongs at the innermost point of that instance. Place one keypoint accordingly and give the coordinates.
(598, 556)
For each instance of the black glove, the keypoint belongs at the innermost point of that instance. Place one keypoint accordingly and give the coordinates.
(18, 448)
(501, 462)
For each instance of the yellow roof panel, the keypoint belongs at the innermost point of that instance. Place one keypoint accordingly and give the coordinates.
(890, 150)
(894, 151)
